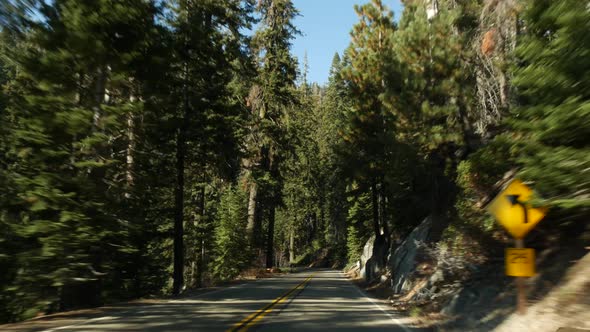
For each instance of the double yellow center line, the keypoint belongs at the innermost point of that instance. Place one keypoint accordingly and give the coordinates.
(252, 320)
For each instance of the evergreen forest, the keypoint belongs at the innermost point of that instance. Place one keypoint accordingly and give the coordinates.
(148, 147)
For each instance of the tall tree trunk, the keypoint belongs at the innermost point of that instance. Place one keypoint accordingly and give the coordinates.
(375, 204)
(178, 273)
(252, 213)
(130, 150)
(193, 268)
(201, 254)
(98, 174)
(292, 245)
(270, 237)
(322, 223)
(99, 95)
(383, 207)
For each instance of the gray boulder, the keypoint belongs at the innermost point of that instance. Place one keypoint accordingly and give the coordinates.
(403, 260)
(366, 256)
(373, 259)
(436, 278)
(460, 302)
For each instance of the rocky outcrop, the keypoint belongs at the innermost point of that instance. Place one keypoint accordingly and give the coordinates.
(366, 256)
(402, 261)
(373, 259)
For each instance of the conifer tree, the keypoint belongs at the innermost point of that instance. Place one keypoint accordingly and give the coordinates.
(430, 91)
(231, 258)
(73, 90)
(275, 95)
(551, 122)
(207, 43)
(9, 241)
(331, 119)
(369, 133)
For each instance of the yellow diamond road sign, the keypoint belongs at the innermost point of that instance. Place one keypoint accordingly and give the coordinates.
(509, 209)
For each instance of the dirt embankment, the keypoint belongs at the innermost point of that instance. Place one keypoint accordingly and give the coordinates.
(447, 293)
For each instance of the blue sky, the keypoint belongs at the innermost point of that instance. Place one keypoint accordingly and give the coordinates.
(325, 27)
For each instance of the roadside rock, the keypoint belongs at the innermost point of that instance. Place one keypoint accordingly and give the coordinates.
(436, 278)
(373, 259)
(460, 303)
(451, 308)
(366, 256)
(403, 260)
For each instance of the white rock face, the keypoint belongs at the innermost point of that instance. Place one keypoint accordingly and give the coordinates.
(403, 260)
(373, 261)
(366, 256)
(431, 9)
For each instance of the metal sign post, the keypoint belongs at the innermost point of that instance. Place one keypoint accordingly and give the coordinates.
(513, 212)
(520, 285)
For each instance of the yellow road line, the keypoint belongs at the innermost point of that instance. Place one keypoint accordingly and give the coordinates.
(252, 319)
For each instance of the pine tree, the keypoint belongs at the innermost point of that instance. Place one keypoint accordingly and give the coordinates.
(302, 212)
(231, 258)
(551, 121)
(9, 240)
(90, 139)
(359, 220)
(430, 96)
(429, 92)
(207, 43)
(274, 95)
(72, 90)
(331, 119)
(369, 133)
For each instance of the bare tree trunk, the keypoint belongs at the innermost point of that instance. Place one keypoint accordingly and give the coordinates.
(270, 237)
(192, 277)
(374, 194)
(252, 213)
(99, 94)
(292, 245)
(201, 254)
(130, 150)
(383, 204)
(178, 273)
(322, 223)
(202, 261)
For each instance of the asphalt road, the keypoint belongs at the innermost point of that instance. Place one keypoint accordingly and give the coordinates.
(312, 300)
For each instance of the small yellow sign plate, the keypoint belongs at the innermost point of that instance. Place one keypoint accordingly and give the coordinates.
(520, 262)
(509, 209)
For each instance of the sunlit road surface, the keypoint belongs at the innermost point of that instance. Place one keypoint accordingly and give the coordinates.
(325, 302)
